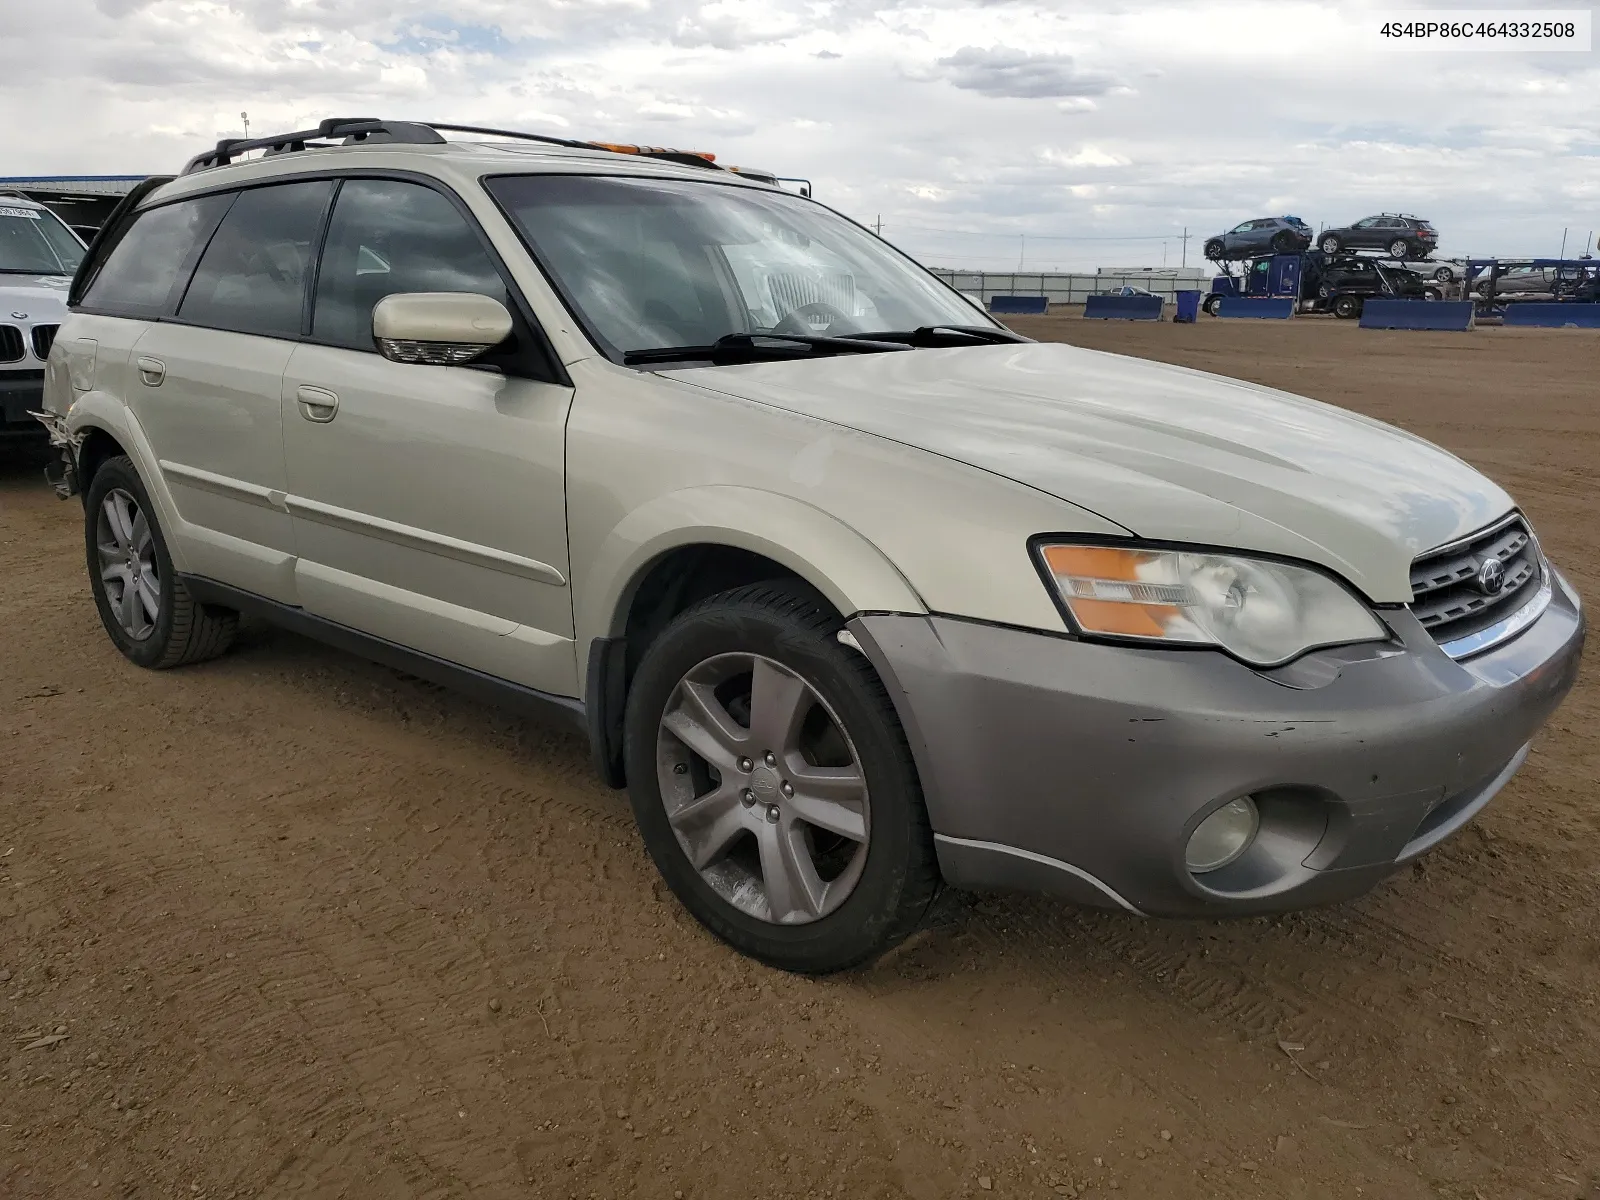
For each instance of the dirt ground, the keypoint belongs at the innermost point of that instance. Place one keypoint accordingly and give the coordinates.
(302, 926)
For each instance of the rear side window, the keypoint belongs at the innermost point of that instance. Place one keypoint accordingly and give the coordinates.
(144, 268)
(389, 236)
(252, 277)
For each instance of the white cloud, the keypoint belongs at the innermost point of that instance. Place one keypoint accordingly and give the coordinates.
(1004, 71)
(989, 119)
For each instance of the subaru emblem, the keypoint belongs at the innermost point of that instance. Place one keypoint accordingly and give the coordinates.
(1492, 577)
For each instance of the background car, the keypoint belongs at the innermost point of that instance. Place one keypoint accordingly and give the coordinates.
(1279, 235)
(1527, 281)
(1344, 283)
(1401, 235)
(38, 254)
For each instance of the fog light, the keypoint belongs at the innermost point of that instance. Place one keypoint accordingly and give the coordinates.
(1223, 836)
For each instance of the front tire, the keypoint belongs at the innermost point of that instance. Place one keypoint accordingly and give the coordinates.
(1400, 249)
(148, 613)
(1347, 307)
(1330, 245)
(773, 785)
(1211, 304)
(1214, 249)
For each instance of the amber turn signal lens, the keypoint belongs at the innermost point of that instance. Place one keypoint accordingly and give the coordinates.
(1117, 591)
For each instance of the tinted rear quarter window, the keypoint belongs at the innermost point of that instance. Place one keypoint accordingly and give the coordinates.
(143, 270)
(252, 277)
(390, 236)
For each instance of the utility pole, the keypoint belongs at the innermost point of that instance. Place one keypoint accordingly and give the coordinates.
(1185, 261)
(1022, 249)
(877, 226)
(245, 117)
(1563, 253)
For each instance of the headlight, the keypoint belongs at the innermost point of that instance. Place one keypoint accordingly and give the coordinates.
(1265, 613)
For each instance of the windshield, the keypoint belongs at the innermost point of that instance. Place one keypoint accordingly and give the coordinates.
(650, 264)
(33, 241)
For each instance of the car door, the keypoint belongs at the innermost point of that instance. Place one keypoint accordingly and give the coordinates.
(1238, 238)
(1356, 277)
(428, 502)
(210, 383)
(1364, 234)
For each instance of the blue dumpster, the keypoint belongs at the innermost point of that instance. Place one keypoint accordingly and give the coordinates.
(1188, 307)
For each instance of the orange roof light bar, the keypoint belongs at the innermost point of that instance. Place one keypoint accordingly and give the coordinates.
(619, 148)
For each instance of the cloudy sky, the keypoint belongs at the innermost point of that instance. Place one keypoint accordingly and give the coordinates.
(1066, 134)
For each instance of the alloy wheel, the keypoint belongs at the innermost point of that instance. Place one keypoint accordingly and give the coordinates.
(128, 568)
(763, 789)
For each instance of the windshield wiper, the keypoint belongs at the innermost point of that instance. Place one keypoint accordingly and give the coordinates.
(946, 335)
(755, 347)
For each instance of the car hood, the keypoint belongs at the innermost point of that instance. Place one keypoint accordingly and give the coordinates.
(1165, 452)
(37, 299)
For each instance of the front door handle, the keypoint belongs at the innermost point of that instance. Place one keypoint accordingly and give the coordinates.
(316, 404)
(151, 371)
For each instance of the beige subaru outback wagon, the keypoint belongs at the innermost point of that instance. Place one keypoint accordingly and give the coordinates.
(856, 591)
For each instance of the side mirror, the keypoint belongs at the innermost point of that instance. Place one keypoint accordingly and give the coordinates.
(440, 328)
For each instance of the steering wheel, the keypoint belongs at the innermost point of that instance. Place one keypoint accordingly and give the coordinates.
(799, 320)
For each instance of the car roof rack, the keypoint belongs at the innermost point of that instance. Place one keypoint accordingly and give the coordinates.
(367, 131)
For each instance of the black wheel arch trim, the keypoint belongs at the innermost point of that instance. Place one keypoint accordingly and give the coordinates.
(605, 705)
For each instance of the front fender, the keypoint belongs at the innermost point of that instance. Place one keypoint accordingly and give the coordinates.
(838, 561)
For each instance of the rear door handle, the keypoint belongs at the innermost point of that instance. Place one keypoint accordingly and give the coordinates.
(316, 404)
(151, 371)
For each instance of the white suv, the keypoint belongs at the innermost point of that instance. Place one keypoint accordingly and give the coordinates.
(38, 255)
(854, 589)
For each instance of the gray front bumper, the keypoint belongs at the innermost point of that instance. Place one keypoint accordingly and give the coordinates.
(20, 393)
(1058, 765)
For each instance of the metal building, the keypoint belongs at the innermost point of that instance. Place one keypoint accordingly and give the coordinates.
(82, 201)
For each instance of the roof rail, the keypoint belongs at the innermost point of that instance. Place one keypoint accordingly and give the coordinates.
(354, 130)
(368, 131)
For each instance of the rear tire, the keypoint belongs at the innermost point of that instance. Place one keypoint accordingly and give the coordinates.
(1346, 307)
(1399, 248)
(1284, 242)
(698, 731)
(1330, 244)
(1443, 275)
(148, 613)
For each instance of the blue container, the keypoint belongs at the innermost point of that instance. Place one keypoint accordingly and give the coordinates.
(1123, 308)
(1188, 307)
(1037, 305)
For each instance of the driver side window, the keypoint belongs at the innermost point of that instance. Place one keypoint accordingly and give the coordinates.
(390, 236)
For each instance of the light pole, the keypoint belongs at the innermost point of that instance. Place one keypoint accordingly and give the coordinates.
(245, 117)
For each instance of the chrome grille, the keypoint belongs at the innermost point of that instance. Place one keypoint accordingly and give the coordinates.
(44, 337)
(1448, 595)
(10, 344)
